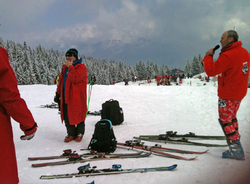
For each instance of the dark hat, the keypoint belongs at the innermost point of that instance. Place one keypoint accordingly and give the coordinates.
(73, 51)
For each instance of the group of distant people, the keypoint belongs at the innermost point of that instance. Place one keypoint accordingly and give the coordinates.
(167, 79)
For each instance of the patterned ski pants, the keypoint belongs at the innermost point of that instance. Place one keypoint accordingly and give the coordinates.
(227, 115)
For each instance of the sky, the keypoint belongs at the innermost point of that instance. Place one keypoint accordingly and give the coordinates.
(167, 32)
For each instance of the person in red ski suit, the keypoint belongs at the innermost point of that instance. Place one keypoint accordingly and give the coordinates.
(11, 105)
(232, 68)
(158, 79)
(71, 91)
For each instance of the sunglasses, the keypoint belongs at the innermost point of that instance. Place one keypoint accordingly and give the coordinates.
(68, 55)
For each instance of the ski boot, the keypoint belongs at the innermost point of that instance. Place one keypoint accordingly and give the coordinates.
(235, 151)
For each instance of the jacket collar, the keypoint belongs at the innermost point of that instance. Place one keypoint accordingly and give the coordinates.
(77, 61)
(231, 46)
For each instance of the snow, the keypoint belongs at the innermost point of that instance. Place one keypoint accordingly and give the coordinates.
(148, 109)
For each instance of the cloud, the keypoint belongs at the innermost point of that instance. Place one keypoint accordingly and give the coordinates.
(174, 29)
(23, 12)
(240, 25)
(127, 24)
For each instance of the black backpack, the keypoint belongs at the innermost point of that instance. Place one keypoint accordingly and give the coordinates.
(111, 110)
(103, 139)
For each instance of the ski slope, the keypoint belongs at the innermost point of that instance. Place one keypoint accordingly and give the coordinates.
(148, 109)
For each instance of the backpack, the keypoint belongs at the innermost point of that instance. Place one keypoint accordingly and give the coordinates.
(111, 110)
(103, 139)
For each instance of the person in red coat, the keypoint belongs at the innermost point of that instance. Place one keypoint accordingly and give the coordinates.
(11, 105)
(232, 68)
(72, 92)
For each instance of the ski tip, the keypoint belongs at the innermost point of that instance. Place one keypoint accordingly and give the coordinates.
(40, 165)
(191, 159)
(47, 177)
(174, 166)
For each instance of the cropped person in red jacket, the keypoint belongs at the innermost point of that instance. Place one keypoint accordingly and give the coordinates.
(71, 91)
(11, 105)
(232, 68)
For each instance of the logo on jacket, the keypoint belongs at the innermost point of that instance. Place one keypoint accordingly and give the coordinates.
(245, 67)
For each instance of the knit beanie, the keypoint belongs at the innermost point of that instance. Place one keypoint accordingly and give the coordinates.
(73, 51)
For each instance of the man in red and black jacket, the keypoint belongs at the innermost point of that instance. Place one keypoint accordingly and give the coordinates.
(72, 91)
(232, 68)
(11, 105)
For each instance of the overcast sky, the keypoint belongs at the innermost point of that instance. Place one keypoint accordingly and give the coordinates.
(162, 31)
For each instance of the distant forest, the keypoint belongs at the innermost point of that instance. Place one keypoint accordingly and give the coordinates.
(41, 66)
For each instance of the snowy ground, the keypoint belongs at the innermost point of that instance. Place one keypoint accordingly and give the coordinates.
(148, 109)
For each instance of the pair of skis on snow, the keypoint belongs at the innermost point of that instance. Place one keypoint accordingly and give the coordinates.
(73, 157)
(174, 138)
(86, 170)
(159, 150)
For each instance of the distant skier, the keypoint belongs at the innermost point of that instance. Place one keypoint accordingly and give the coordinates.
(135, 78)
(126, 81)
(232, 66)
(180, 80)
(158, 79)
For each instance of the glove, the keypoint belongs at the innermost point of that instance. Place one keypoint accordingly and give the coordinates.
(57, 98)
(27, 137)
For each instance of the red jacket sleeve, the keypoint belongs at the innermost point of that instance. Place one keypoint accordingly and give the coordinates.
(77, 73)
(214, 68)
(10, 101)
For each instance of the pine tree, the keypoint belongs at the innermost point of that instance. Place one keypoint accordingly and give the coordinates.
(196, 69)
(141, 69)
(121, 72)
(188, 68)
(2, 43)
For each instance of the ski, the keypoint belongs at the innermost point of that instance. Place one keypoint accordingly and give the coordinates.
(55, 106)
(159, 147)
(52, 106)
(190, 135)
(182, 140)
(68, 153)
(116, 169)
(77, 159)
(133, 144)
(95, 113)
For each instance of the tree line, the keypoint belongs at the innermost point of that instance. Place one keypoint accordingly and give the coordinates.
(41, 66)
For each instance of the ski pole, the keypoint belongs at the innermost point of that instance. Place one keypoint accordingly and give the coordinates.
(89, 95)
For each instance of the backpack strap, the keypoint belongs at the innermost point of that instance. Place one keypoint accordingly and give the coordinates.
(108, 121)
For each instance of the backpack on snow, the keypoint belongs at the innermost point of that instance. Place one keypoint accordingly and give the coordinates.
(111, 110)
(103, 139)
